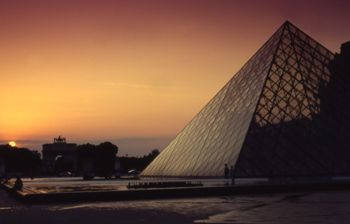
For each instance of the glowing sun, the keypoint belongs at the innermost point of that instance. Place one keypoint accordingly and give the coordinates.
(12, 143)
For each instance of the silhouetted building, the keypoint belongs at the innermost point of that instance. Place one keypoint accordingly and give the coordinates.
(2, 168)
(60, 156)
(285, 113)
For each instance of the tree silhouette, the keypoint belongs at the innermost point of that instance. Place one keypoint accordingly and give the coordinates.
(102, 157)
(20, 160)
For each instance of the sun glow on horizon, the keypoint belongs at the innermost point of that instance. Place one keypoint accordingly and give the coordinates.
(12, 143)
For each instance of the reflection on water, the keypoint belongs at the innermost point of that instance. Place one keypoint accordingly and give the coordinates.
(323, 207)
(317, 207)
(330, 207)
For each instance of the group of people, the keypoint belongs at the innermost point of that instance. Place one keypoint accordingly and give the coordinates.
(229, 173)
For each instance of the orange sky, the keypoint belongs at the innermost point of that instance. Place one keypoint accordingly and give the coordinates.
(133, 72)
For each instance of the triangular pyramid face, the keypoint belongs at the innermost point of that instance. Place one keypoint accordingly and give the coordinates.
(288, 135)
(251, 121)
(216, 134)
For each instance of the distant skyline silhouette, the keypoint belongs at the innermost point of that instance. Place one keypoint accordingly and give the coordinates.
(133, 73)
(133, 146)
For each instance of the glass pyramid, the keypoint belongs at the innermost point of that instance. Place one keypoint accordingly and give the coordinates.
(278, 116)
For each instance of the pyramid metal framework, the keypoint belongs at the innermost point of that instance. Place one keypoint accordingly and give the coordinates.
(282, 114)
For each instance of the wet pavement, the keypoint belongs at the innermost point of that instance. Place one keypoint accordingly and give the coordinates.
(317, 207)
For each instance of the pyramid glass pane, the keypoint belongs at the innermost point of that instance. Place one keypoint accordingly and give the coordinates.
(285, 113)
(285, 137)
(201, 147)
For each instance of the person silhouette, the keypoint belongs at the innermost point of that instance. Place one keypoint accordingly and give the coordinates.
(232, 175)
(18, 184)
(226, 171)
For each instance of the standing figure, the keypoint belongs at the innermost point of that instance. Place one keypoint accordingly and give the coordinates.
(232, 175)
(226, 171)
(18, 184)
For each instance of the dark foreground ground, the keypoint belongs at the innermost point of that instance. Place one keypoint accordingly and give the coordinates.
(318, 207)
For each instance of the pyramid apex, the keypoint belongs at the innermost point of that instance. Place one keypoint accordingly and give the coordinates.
(287, 23)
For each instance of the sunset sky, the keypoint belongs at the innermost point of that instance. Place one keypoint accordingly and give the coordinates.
(133, 72)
